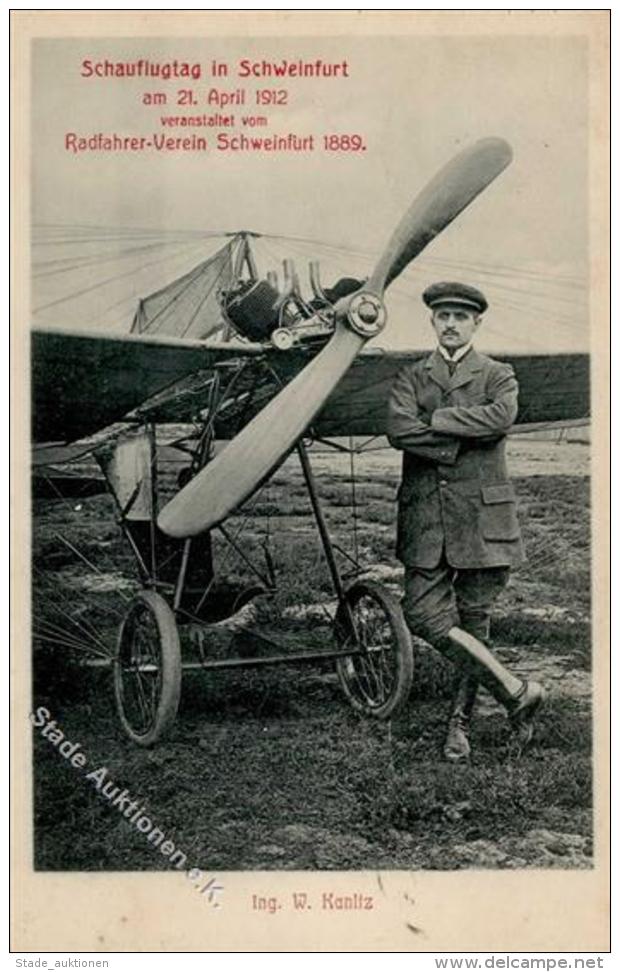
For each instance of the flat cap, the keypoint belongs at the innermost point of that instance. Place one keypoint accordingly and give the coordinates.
(449, 292)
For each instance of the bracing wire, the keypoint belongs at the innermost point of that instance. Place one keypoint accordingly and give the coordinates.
(104, 283)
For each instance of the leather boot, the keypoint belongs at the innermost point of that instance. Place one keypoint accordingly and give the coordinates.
(456, 747)
(523, 711)
(521, 700)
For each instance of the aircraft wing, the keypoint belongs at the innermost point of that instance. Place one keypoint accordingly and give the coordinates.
(83, 382)
(554, 389)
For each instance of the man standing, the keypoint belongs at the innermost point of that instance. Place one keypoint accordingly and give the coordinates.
(458, 533)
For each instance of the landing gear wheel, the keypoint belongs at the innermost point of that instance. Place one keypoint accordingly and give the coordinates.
(377, 678)
(147, 669)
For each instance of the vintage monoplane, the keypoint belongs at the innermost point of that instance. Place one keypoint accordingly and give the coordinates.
(284, 368)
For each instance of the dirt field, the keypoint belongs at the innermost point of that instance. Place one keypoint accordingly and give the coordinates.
(270, 769)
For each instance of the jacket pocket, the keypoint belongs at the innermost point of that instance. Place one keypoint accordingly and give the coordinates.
(498, 513)
(498, 493)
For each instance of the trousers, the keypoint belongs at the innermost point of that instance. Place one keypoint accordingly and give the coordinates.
(441, 598)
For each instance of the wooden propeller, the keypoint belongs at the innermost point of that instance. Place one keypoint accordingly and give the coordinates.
(251, 456)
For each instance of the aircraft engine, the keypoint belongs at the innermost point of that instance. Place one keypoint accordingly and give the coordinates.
(253, 308)
(260, 312)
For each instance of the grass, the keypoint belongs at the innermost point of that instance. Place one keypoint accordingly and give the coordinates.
(271, 769)
(252, 756)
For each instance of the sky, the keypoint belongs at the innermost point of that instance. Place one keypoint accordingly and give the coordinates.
(416, 101)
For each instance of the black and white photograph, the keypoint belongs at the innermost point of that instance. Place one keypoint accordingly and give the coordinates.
(310, 315)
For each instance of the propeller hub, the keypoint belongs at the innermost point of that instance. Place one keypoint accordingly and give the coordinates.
(366, 314)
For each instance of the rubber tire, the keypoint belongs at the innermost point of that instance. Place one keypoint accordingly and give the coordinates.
(402, 646)
(170, 655)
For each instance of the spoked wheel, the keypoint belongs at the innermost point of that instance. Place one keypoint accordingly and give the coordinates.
(377, 677)
(147, 669)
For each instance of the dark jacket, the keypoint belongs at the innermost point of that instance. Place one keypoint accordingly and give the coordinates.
(455, 490)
